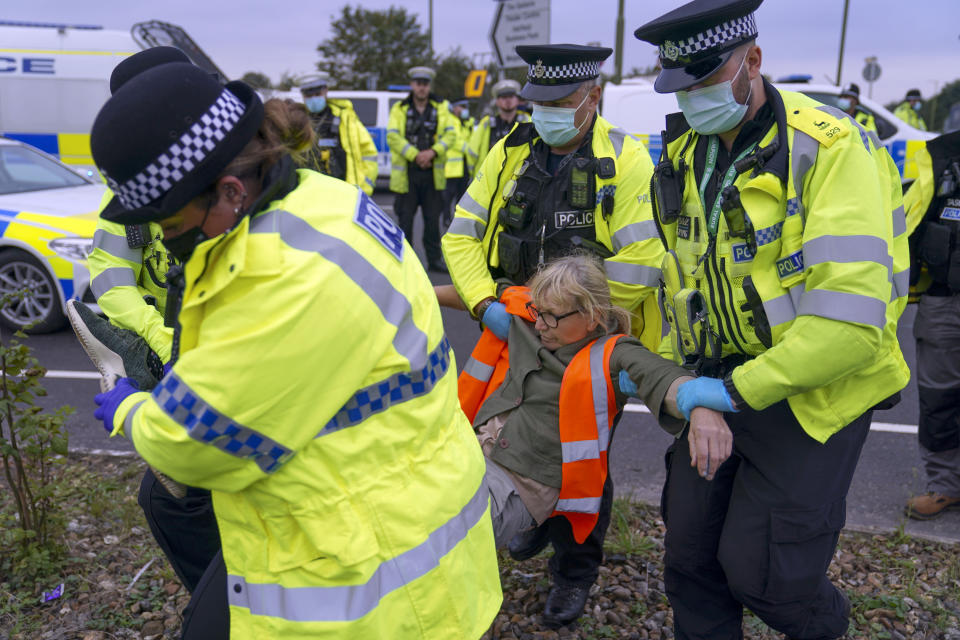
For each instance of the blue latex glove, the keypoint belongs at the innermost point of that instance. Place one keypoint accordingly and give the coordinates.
(703, 392)
(107, 403)
(497, 320)
(627, 386)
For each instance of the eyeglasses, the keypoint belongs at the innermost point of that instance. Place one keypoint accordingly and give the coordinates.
(549, 319)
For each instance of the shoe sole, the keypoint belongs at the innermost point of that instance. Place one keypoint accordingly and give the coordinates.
(109, 366)
(916, 515)
(111, 369)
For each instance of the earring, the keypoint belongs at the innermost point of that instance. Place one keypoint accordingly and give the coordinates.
(236, 211)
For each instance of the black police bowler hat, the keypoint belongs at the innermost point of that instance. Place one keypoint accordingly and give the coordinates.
(695, 40)
(556, 70)
(851, 89)
(141, 61)
(914, 93)
(166, 135)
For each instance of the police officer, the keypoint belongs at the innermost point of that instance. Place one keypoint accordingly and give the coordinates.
(344, 148)
(420, 132)
(909, 110)
(849, 102)
(491, 128)
(933, 207)
(344, 510)
(787, 269)
(568, 181)
(455, 168)
(128, 267)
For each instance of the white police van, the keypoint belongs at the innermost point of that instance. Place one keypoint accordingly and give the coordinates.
(636, 107)
(55, 77)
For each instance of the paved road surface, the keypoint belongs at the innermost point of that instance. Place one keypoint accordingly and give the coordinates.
(888, 473)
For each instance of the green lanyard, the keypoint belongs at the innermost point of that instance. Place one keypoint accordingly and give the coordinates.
(711, 163)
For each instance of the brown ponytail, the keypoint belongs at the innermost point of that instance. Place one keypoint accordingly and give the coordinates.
(286, 130)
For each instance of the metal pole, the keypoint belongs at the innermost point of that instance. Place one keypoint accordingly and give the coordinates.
(618, 60)
(430, 2)
(843, 39)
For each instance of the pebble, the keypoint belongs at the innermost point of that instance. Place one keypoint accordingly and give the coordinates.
(152, 628)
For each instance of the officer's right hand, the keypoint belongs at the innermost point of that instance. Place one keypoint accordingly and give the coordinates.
(497, 320)
(710, 440)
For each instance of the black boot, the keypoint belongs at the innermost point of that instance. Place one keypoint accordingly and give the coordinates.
(565, 603)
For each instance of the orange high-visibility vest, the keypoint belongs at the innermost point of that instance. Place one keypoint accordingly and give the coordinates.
(588, 409)
(488, 364)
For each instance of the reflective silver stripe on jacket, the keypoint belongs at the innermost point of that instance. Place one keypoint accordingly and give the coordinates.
(369, 158)
(845, 307)
(617, 137)
(207, 425)
(112, 277)
(803, 155)
(478, 370)
(128, 421)
(783, 308)
(857, 248)
(468, 204)
(352, 602)
(632, 274)
(406, 146)
(899, 222)
(396, 131)
(901, 284)
(409, 341)
(465, 227)
(116, 246)
(391, 391)
(634, 232)
(579, 505)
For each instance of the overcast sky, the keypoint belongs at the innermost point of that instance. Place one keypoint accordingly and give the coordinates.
(917, 43)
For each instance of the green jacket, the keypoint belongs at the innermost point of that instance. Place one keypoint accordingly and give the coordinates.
(831, 267)
(530, 441)
(402, 152)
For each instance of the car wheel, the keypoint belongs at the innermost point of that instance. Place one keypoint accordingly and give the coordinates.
(38, 311)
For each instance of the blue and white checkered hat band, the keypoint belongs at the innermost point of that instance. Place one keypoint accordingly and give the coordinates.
(732, 31)
(183, 155)
(540, 73)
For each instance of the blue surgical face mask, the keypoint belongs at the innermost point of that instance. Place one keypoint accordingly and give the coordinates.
(556, 125)
(713, 109)
(316, 104)
(844, 103)
(917, 106)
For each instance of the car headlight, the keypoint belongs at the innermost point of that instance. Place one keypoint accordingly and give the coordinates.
(74, 249)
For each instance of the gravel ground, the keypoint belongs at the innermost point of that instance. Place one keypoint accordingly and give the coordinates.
(118, 585)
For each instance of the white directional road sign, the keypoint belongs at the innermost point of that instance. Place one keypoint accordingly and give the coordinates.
(871, 72)
(518, 22)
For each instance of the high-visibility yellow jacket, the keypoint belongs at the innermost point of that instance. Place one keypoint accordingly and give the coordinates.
(402, 152)
(455, 165)
(478, 145)
(909, 115)
(316, 397)
(629, 231)
(120, 277)
(356, 141)
(831, 266)
(866, 120)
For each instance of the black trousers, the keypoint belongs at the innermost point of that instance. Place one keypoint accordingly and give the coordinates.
(207, 615)
(456, 187)
(763, 532)
(421, 193)
(185, 528)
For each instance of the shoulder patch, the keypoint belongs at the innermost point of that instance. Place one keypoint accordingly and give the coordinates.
(819, 125)
(375, 222)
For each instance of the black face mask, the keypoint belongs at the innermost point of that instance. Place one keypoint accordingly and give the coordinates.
(181, 247)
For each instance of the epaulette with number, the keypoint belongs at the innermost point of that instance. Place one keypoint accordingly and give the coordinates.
(819, 125)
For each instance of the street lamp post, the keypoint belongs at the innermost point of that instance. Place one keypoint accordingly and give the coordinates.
(843, 39)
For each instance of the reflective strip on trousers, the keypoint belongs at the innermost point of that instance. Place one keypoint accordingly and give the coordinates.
(409, 340)
(112, 277)
(634, 232)
(352, 602)
(207, 425)
(468, 204)
(783, 308)
(845, 307)
(392, 391)
(633, 274)
(465, 227)
(478, 370)
(116, 246)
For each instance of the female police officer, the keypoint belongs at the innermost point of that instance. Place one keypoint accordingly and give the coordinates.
(314, 393)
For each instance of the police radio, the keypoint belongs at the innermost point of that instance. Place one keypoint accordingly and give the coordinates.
(667, 187)
(583, 184)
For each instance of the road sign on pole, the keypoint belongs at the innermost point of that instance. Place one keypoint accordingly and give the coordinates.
(518, 22)
(473, 87)
(871, 72)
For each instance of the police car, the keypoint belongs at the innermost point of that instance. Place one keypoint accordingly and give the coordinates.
(48, 214)
(636, 107)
